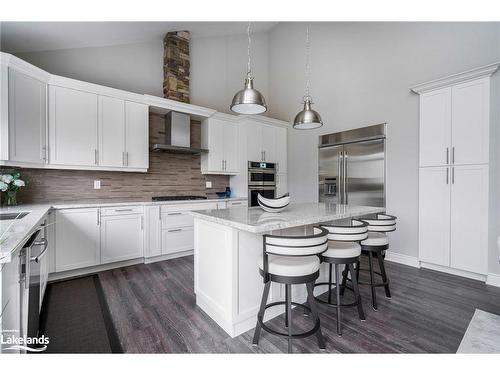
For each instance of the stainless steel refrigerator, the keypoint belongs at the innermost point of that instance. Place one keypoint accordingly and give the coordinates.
(352, 167)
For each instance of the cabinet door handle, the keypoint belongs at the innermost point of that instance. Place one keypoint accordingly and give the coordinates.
(447, 155)
(43, 153)
(126, 158)
(159, 213)
(453, 155)
(95, 157)
(123, 158)
(142, 222)
(174, 230)
(264, 156)
(447, 175)
(453, 175)
(98, 216)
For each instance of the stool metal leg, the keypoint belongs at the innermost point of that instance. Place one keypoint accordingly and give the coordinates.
(314, 313)
(344, 279)
(372, 281)
(330, 283)
(385, 279)
(289, 313)
(361, 313)
(287, 296)
(358, 267)
(265, 295)
(337, 289)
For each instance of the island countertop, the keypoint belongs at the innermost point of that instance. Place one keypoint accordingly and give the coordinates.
(255, 220)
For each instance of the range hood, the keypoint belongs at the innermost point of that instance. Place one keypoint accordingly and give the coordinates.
(177, 135)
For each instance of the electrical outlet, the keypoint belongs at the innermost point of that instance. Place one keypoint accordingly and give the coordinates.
(97, 184)
(208, 184)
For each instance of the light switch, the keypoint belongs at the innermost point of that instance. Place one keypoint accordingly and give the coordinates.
(97, 184)
(208, 184)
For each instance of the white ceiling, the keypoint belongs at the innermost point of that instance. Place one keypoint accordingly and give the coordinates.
(45, 36)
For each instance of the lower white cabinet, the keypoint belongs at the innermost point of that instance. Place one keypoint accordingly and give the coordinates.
(10, 301)
(77, 238)
(453, 217)
(121, 237)
(175, 240)
(152, 239)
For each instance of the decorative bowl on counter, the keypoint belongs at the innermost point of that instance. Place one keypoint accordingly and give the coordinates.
(222, 194)
(273, 205)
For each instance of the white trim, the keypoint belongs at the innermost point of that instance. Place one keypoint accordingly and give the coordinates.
(493, 279)
(160, 258)
(163, 105)
(266, 120)
(453, 271)
(407, 260)
(468, 75)
(24, 67)
(71, 167)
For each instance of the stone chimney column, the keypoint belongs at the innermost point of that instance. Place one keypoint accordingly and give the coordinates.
(176, 64)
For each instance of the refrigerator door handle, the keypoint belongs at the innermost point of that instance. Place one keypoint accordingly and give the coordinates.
(339, 174)
(346, 155)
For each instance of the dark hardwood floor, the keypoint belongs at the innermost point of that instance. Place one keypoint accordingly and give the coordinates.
(153, 310)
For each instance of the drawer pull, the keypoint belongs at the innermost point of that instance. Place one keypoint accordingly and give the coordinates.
(235, 204)
(174, 213)
(124, 210)
(174, 230)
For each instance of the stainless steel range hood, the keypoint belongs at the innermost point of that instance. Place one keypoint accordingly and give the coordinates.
(177, 135)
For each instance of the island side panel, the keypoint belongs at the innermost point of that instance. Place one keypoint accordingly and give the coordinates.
(214, 271)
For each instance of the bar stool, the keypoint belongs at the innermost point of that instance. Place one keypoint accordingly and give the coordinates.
(343, 249)
(290, 261)
(375, 245)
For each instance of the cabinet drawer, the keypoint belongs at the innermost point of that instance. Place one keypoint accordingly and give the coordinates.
(189, 207)
(176, 220)
(108, 211)
(176, 240)
(237, 204)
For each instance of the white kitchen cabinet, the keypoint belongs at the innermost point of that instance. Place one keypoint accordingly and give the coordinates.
(72, 127)
(136, 135)
(77, 238)
(435, 127)
(175, 240)
(121, 237)
(10, 301)
(281, 140)
(434, 215)
(153, 231)
(469, 218)
(470, 122)
(269, 143)
(281, 184)
(111, 121)
(27, 118)
(219, 136)
(264, 141)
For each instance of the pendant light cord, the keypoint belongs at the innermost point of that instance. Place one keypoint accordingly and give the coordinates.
(249, 69)
(307, 96)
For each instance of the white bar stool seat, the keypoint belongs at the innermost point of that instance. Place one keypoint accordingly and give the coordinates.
(288, 266)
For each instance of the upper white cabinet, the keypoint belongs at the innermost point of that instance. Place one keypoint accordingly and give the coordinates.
(111, 131)
(263, 140)
(470, 107)
(72, 127)
(219, 134)
(454, 124)
(27, 118)
(281, 142)
(435, 127)
(136, 135)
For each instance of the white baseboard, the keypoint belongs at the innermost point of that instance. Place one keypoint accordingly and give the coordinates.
(402, 259)
(168, 256)
(493, 279)
(453, 271)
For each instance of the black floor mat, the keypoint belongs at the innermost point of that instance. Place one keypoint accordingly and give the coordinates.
(76, 319)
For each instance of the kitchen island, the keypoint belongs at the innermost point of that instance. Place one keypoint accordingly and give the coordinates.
(227, 245)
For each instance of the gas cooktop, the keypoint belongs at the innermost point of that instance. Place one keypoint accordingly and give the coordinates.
(178, 198)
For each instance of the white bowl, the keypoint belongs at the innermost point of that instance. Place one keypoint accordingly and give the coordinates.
(273, 205)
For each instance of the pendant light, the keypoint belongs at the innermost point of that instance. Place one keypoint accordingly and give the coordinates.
(307, 118)
(248, 101)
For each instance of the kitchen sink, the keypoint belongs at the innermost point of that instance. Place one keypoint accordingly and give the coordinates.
(13, 215)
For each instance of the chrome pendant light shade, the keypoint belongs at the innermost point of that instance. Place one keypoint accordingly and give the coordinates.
(248, 101)
(307, 118)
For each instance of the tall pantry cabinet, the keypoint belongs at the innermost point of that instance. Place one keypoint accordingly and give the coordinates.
(454, 172)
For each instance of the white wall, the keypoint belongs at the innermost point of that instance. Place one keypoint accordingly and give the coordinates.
(132, 67)
(360, 75)
(218, 67)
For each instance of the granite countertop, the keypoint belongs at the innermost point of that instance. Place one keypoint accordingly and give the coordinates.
(255, 220)
(13, 235)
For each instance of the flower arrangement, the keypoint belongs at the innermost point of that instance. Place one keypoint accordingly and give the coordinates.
(10, 184)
